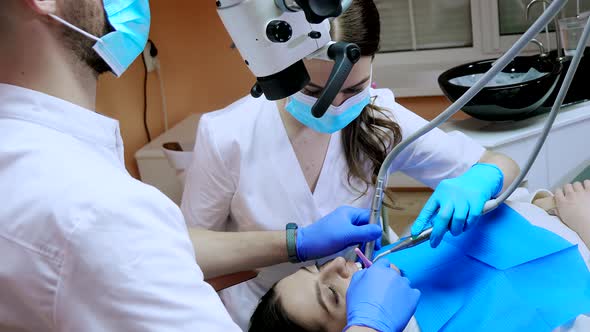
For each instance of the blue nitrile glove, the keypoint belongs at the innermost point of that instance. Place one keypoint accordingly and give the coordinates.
(381, 299)
(375, 249)
(345, 227)
(457, 203)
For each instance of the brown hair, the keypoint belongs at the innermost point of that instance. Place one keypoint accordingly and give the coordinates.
(270, 316)
(373, 134)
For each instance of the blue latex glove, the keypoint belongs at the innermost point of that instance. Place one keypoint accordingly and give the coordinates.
(381, 299)
(375, 249)
(457, 203)
(337, 231)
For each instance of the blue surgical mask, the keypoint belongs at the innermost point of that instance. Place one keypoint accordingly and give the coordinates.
(335, 118)
(131, 21)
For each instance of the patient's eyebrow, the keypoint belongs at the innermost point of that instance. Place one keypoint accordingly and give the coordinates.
(318, 294)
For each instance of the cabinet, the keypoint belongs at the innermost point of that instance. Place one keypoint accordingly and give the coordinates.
(564, 155)
(154, 167)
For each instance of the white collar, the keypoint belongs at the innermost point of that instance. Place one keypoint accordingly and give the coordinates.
(33, 106)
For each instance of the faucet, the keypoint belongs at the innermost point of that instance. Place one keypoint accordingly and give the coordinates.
(560, 55)
(543, 52)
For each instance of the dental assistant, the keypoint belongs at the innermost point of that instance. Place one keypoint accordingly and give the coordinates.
(310, 166)
(84, 246)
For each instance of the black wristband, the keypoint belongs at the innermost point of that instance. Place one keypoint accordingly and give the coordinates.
(291, 230)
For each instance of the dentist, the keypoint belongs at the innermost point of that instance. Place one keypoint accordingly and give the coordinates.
(312, 166)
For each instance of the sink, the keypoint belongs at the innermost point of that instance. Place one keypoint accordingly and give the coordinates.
(578, 91)
(520, 91)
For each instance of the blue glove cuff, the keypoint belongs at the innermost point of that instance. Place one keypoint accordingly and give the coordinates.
(301, 256)
(370, 323)
(491, 172)
(363, 325)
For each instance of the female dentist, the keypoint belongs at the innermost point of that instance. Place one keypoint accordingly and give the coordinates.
(261, 165)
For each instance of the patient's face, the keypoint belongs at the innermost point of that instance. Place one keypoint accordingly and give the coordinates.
(316, 298)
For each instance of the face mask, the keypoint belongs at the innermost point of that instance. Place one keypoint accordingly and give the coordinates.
(336, 117)
(131, 21)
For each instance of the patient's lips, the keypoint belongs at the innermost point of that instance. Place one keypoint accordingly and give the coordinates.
(352, 267)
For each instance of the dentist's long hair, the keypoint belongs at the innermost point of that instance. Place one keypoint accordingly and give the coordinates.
(369, 138)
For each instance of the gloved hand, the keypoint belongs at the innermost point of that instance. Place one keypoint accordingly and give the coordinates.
(340, 229)
(375, 249)
(381, 299)
(457, 203)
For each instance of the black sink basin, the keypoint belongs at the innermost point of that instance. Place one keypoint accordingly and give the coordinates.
(578, 91)
(536, 79)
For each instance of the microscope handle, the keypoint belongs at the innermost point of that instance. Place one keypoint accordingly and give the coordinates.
(345, 55)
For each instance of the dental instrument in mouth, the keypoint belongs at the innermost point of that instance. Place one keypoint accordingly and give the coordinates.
(366, 262)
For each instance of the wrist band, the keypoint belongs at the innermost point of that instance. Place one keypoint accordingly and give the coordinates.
(292, 242)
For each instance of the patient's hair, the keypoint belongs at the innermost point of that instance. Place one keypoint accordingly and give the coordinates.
(372, 135)
(271, 316)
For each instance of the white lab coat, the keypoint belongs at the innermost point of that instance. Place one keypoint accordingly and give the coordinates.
(84, 246)
(245, 177)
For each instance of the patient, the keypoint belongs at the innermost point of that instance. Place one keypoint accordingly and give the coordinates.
(573, 208)
(314, 298)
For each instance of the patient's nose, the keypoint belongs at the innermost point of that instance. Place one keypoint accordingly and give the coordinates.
(337, 267)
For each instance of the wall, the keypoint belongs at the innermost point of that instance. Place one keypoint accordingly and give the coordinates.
(200, 71)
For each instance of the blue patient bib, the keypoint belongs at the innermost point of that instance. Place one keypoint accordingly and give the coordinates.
(503, 275)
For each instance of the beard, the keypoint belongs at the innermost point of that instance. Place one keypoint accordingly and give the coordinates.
(90, 16)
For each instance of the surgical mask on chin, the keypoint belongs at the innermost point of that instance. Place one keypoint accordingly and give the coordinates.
(336, 117)
(131, 21)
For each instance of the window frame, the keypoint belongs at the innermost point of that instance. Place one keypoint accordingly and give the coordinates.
(415, 73)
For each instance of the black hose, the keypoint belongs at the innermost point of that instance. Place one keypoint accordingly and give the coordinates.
(145, 120)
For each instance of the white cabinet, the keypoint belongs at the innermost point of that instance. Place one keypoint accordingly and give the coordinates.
(569, 149)
(563, 156)
(154, 168)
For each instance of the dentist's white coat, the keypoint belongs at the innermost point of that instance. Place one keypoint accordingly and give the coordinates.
(83, 245)
(245, 177)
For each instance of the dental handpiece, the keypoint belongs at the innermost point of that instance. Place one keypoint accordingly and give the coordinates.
(406, 243)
